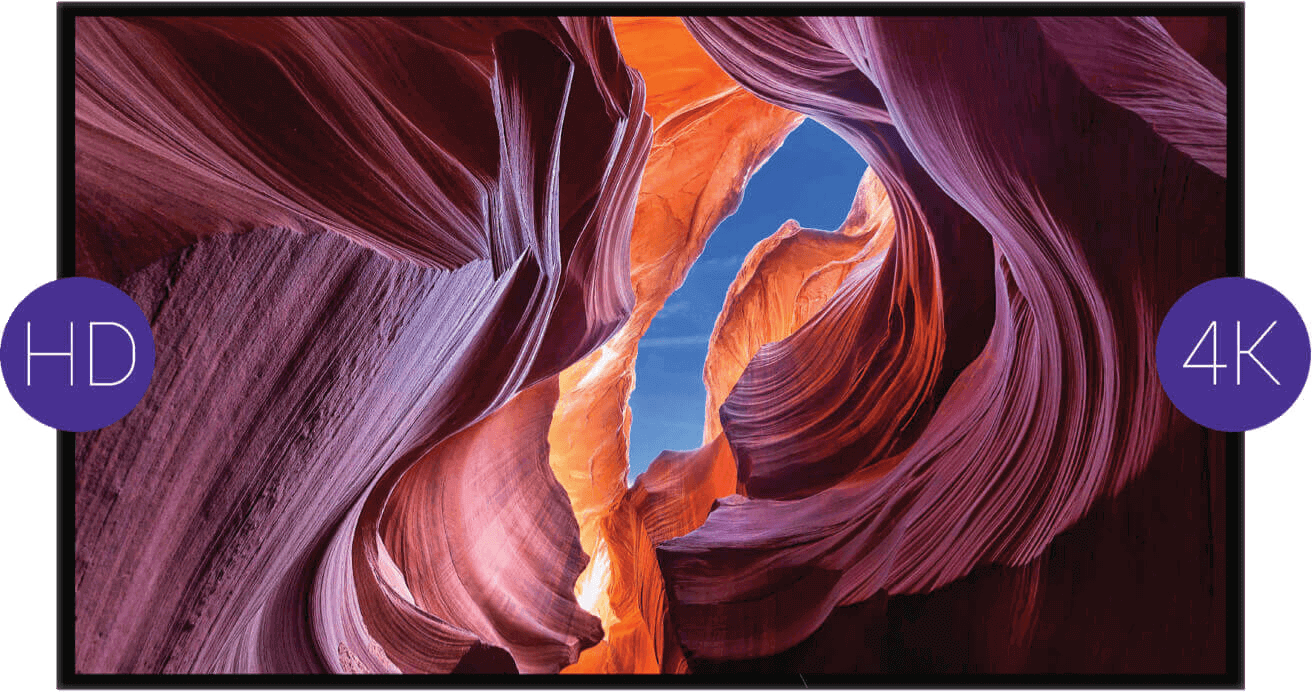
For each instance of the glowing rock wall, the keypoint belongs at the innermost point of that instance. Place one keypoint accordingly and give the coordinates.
(1058, 413)
(709, 136)
(441, 213)
(398, 272)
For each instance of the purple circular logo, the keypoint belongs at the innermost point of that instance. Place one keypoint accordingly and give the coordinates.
(77, 354)
(1232, 354)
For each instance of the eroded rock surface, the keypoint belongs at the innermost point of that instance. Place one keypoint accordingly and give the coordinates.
(399, 270)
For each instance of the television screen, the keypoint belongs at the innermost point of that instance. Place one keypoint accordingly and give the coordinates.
(814, 350)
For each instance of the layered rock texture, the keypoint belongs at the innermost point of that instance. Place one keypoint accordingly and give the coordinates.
(399, 271)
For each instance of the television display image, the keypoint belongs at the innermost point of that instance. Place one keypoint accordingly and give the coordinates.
(800, 349)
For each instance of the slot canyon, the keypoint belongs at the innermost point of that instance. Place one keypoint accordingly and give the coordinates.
(399, 271)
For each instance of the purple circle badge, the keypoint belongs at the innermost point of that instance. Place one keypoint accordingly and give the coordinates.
(1233, 354)
(77, 354)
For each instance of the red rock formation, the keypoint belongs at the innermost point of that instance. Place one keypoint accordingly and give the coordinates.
(465, 529)
(852, 381)
(1061, 409)
(710, 136)
(1135, 64)
(307, 388)
(785, 280)
(671, 498)
(398, 271)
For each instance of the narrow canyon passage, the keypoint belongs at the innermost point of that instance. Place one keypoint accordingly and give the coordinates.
(510, 345)
(810, 179)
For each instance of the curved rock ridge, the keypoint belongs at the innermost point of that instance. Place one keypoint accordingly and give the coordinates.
(671, 498)
(1101, 210)
(677, 491)
(710, 137)
(469, 185)
(398, 271)
(1204, 38)
(853, 383)
(784, 281)
(1134, 63)
(470, 535)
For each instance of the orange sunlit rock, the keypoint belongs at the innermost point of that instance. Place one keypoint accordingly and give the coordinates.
(784, 281)
(710, 137)
(398, 269)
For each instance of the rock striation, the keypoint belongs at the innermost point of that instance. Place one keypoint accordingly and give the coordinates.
(1010, 430)
(367, 247)
(399, 270)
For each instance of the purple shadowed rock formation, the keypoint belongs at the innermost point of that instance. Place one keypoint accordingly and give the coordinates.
(1103, 205)
(244, 517)
(372, 249)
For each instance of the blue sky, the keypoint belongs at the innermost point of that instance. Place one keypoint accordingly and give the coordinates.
(812, 179)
